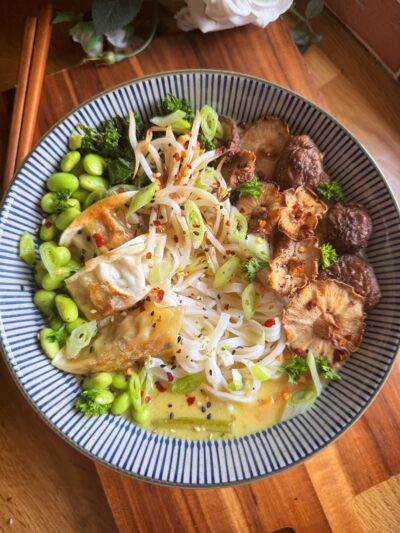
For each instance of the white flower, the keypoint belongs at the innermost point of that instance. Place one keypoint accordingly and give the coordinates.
(214, 15)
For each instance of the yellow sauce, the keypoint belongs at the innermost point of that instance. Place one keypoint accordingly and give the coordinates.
(247, 417)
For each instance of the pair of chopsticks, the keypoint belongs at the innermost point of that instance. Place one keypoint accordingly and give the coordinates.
(35, 47)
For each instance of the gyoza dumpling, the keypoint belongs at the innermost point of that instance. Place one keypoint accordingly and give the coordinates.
(115, 280)
(125, 340)
(102, 227)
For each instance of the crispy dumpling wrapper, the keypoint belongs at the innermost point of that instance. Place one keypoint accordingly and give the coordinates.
(116, 280)
(101, 227)
(125, 340)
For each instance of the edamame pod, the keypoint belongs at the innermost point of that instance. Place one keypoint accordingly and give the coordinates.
(44, 301)
(49, 342)
(70, 160)
(93, 164)
(91, 183)
(65, 218)
(101, 380)
(67, 308)
(62, 181)
(121, 403)
(74, 141)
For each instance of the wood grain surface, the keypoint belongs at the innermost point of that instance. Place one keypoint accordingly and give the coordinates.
(47, 480)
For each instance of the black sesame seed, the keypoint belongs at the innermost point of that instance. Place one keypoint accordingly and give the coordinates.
(79, 232)
(203, 409)
(171, 416)
(173, 367)
(233, 352)
(210, 372)
(196, 233)
(208, 405)
(152, 313)
(91, 349)
(153, 325)
(88, 238)
(218, 296)
(162, 366)
(170, 405)
(81, 335)
(209, 416)
(206, 249)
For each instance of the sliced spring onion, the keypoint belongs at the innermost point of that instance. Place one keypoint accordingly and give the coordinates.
(256, 246)
(196, 264)
(209, 121)
(253, 332)
(195, 223)
(185, 422)
(142, 198)
(79, 338)
(169, 120)
(26, 248)
(237, 225)
(260, 372)
(226, 272)
(299, 403)
(206, 179)
(187, 384)
(249, 300)
(237, 381)
(48, 255)
(314, 372)
(219, 134)
(160, 272)
(139, 387)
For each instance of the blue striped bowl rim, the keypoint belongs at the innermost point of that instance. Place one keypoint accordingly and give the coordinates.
(117, 442)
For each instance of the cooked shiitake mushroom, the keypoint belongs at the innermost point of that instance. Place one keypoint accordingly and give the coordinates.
(294, 264)
(300, 164)
(354, 271)
(299, 218)
(231, 140)
(348, 227)
(239, 168)
(266, 138)
(262, 212)
(325, 317)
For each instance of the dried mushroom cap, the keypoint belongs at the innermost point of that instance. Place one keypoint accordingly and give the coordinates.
(294, 264)
(266, 138)
(239, 168)
(300, 217)
(300, 164)
(327, 318)
(263, 212)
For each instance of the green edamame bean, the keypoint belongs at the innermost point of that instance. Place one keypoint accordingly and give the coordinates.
(72, 266)
(62, 181)
(121, 403)
(26, 248)
(94, 197)
(105, 397)
(56, 323)
(51, 282)
(67, 308)
(101, 380)
(44, 300)
(49, 202)
(70, 160)
(93, 164)
(119, 382)
(49, 343)
(48, 230)
(73, 202)
(40, 271)
(76, 323)
(74, 141)
(65, 218)
(80, 195)
(91, 183)
(62, 255)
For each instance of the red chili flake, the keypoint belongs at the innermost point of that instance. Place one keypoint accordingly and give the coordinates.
(226, 307)
(176, 238)
(147, 399)
(311, 304)
(284, 319)
(178, 351)
(190, 400)
(299, 351)
(297, 205)
(156, 223)
(159, 387)
(99, 239)
(170, 377)
(269, 323)
(149, 255)
(158, 294)
(352, 303)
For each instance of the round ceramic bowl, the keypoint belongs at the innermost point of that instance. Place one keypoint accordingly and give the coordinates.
(116, 441)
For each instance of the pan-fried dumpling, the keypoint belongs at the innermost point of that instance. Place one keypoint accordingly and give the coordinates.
(116, 280)
(125, 340)
(102, 227)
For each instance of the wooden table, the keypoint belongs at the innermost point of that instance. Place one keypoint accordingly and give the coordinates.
(47, 485)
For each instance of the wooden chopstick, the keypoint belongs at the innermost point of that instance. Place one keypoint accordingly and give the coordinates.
(35, 83)
(19, 99)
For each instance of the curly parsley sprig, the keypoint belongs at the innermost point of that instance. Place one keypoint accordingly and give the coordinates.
(330, 191)
(328, 255)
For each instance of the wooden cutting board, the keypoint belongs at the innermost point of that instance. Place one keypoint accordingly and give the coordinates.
(319, 494)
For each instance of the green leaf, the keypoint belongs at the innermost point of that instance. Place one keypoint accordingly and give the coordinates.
(325, 370)
(109, 15)
(330, 191)
(250, 188)
(314, 8)
(94, 41)
(251, 267)
(67, 16)
(119, 170)
(294, 368)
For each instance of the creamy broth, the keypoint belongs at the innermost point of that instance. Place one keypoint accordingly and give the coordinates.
(247, 417)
